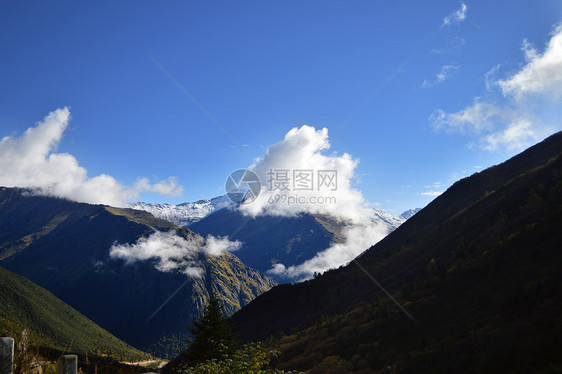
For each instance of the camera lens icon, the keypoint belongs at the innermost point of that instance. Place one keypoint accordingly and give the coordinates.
(242, 186)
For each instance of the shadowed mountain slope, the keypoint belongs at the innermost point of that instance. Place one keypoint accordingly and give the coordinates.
(291, 241)
(478, 269)
(64, 247)
(268, 240)
(52, 323)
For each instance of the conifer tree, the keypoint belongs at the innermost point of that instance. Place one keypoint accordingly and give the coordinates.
(212, 336)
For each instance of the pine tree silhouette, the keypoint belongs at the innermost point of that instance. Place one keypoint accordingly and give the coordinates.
(213, 337)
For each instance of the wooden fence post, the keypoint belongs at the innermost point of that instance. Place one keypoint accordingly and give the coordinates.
(6, 355)
(68, 364)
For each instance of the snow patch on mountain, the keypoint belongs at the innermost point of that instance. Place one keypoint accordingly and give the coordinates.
(409, 213)
(390, 221)
(186, 213)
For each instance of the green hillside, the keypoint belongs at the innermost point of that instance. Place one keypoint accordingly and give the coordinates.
(64, 247)
(478, 269)
(52, 323)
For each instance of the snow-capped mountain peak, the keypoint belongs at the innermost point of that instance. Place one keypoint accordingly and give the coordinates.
(409, 213)
(389, 220)
(185, 213)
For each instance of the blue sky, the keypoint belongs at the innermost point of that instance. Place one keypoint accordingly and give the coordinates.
(262, 68)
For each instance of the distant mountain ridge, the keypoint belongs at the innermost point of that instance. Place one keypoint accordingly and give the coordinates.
(64, 247)
(266, 240)
(269, 240)
(185, 213)
(409, 213)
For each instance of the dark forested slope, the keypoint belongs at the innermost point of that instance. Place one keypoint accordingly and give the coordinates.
(478, 269)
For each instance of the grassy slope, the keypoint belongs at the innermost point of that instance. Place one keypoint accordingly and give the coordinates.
(52, 323)
(141, 217)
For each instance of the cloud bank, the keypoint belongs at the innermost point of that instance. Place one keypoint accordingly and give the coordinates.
(173, 252)
(522, 112)
(31, 161)
(358, 238)
(542, 74)
(304, 149)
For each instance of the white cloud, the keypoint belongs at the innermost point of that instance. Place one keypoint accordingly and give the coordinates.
(489, 77)
(301, 149)
(31, 161)
(431, 193)
(434, 189)
(523, 112)
(516, 135)
(457, 16)
(168, 187)
(507, 127)
(434, 185)
(542, 74)
(218, 245)
(445, 73)
(478, 117)
(173, 252)
(358, 238)
(304, 148)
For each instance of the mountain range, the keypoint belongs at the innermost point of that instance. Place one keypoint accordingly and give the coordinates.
(187, 213)
(471, 283)
(269, 240)
(266, 240)
(409, 213)
(65, 246)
